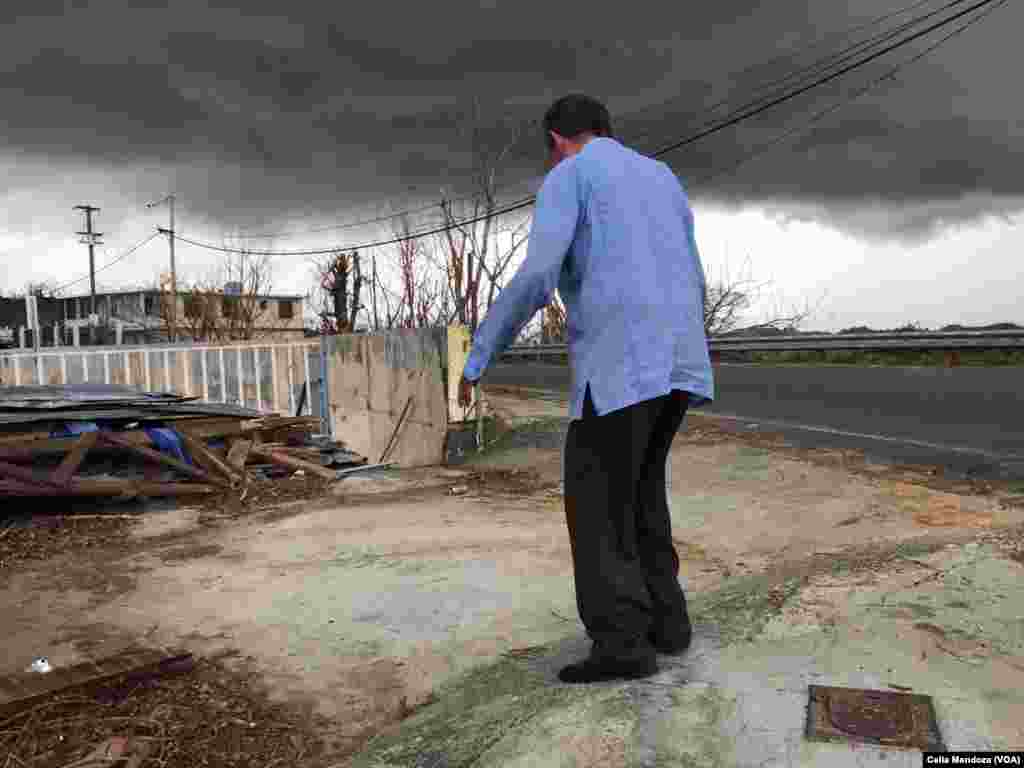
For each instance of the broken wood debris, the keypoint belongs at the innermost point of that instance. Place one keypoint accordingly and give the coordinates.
(21, 692)
(72, 441)
(280, 457)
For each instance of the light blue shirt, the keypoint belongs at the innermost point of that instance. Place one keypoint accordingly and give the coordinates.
(613, 230)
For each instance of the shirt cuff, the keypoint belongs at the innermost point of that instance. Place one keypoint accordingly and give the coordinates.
(473, 370)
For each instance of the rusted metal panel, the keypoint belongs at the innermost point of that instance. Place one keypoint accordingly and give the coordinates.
(883, 718)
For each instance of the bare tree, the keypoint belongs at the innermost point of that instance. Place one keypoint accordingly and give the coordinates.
(200, 318)
(422, 296)
(726, 306)
(553, 323)
(228, 305)
(474, 258)
(729, 299)
(336, 305)
(250, 275)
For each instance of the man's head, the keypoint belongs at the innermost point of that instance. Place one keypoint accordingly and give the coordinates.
(570, 123)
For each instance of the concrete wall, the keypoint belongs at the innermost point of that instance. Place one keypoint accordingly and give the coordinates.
(371, 378)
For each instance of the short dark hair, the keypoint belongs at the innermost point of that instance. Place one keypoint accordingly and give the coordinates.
(575, 114)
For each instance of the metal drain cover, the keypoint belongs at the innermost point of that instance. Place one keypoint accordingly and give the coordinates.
(883, 718)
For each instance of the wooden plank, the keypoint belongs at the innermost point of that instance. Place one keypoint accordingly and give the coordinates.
(131, 666)
(149, 453)
(284, 460)
(31, 445)
(108, 488)
(28, 476)
(398, 426)
(31, 434)
(75, 457)
(239, 454)
(209, 460)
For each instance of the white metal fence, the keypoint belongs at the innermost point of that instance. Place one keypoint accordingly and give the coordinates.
(268, 376)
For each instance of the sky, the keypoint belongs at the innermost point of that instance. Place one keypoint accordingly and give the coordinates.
(903, 206)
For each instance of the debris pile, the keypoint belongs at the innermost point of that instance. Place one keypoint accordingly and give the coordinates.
(113, 441)
(181, 711)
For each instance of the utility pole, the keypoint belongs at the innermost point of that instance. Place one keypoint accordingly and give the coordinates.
(92, 239)
(172, 330)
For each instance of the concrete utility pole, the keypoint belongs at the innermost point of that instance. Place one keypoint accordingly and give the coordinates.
(92, 239)
(172, 331)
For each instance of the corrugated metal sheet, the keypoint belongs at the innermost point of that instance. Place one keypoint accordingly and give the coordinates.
(89, 402)
(55, 397)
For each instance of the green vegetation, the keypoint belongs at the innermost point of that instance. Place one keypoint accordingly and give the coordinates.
(468, 717)
(933, 358)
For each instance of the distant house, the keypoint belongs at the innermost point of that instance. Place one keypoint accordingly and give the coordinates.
(141, 314)
(14, 316)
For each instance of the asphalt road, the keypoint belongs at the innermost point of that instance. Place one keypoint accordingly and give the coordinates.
(968, 420)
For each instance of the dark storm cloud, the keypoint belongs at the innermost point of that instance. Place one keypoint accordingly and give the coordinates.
(313, 107)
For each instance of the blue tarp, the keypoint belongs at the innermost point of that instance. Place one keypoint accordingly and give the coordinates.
(165, 439)
(73, 428)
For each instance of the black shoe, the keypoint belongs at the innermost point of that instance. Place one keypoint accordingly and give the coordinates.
(671, 644)
(596, 670)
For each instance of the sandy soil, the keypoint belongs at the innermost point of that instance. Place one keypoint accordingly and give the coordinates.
(362, 604)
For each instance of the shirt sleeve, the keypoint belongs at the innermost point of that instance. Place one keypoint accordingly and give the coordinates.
(556, 217)
(698, 265)
(691, 239)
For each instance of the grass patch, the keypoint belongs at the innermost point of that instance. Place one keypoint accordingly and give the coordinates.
(474, 712)
(927, 358)
(742, 606)
(469, 716)
(367, 558)
(536, 431)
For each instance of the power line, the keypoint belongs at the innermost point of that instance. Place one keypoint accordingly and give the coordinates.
(501, 211)
(833, 59)
(822, 114)
(743, 114)
(819, 82)
(349, 225)
(789, 55)
(109, 264)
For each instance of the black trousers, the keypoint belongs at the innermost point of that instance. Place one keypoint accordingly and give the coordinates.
(625, 565)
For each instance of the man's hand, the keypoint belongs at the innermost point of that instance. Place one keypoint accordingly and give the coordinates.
(465, 392)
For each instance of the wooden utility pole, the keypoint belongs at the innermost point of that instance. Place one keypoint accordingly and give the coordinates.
(91, 239)
(173, 315)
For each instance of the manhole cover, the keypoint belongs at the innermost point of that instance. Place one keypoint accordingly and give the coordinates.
(885, 718)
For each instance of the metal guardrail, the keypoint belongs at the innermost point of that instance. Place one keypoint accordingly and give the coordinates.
(953, 341)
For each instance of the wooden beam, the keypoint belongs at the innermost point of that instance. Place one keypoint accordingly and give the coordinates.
(28, 476)
(108, 488)
(25, 692)
(30, 446)
(75, 457)
(394, 434)
(239, 454)
(284, 460)
(149, 453)
(210, 461)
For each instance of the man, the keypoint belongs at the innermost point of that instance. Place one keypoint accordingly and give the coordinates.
(614, 231)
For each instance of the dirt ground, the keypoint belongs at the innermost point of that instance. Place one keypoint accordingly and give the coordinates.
(398, 615)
